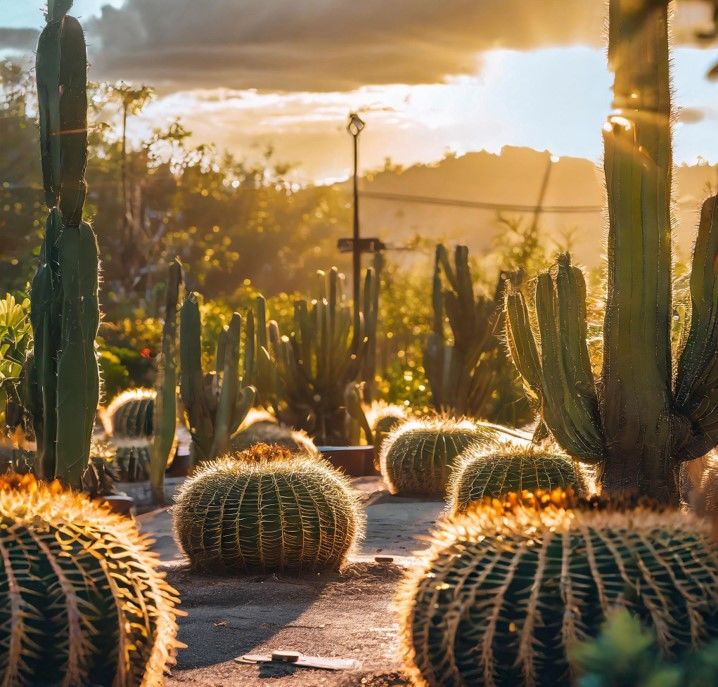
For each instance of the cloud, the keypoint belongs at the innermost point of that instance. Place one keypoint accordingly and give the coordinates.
(324, 45)
(691, 115)
(18, 38)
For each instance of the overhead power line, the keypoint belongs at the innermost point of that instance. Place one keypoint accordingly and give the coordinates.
(479, 205)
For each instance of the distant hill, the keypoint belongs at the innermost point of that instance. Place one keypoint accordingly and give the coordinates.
(513, 177)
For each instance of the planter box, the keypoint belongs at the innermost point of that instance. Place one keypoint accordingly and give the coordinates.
(355, 461)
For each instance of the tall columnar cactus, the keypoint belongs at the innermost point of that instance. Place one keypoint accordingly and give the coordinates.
(165, 406)
(483, 474)
(472, 375)
(216, 402)
(64, 305)
(507, 588)
(81, 599)
(636, 424)
(318, 362)
(418, 457)
(283, 513)
(259, 370)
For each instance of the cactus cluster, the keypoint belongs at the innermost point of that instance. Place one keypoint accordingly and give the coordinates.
(215, 402)
(419, 456)
(321, 360)
(64, 384)
(640, 420)
(81, 600)
(280, 513)
(471, 375)
(131, 417)
(484, 474)
(506, 589)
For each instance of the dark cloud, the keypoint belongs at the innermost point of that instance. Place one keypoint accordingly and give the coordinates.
(324, 45)
(18, 39)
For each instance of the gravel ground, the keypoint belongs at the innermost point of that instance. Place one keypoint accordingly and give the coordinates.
(348, 615)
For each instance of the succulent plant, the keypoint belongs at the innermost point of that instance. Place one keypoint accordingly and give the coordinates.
(383, 419)
(637, 423)
(472, 375)
(418, 457)
(482, 473)
(506, 588)
(131, 416)
(164, 417)
(319, 363)
(216, 402)
(64, 381)
(290, 513)
(83, 602)
(133, 463)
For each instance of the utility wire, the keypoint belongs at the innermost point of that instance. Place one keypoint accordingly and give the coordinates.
(430, 200)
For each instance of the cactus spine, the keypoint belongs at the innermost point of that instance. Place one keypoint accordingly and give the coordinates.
(81, 599)
(165, 407)
(483, 474)
(471, 376)
(635, 425)
(507, 588)
(64, 304)
(282, 513)
(217, 402)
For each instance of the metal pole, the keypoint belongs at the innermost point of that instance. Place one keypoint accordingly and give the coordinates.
(356, 250)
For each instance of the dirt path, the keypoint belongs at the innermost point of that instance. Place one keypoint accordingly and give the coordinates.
(351, 615)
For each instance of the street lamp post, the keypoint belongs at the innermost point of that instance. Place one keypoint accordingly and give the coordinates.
(354, 127)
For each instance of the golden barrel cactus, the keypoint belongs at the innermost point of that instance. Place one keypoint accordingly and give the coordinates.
(494, 473)
(418, 457)
(81, 601)
(508, 587)
(278, 513)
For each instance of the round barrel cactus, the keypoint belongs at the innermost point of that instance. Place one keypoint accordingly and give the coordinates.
(80, 598)
(383, 419)
(507, 588)
(266, 432)
(130, 415)
(492, 474)
(291, 513)
(417, 458)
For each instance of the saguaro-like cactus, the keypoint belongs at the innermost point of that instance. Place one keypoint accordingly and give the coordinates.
(509, 587)
(165, 406)
(635, 424)
(218, 401)
(81, 599)
(319, 362)
(471, 376)
(64, 306)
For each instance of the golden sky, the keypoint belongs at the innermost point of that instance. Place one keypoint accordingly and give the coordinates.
(427, 75)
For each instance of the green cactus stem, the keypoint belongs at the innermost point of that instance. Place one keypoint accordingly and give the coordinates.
(64, 299)
(471, 375)
(217, 402)
(165, 406)
(636, 424)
